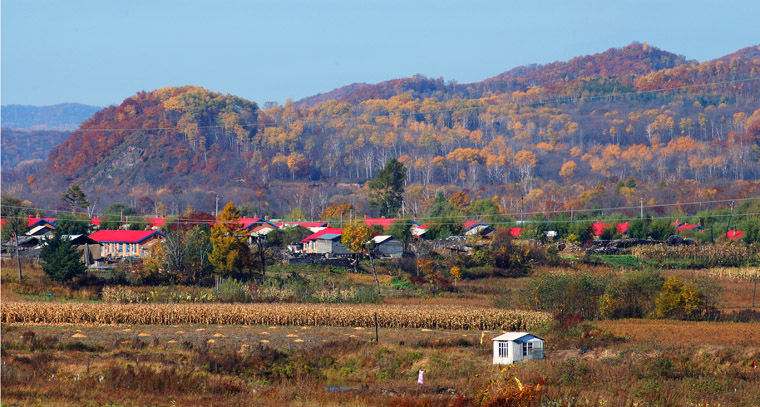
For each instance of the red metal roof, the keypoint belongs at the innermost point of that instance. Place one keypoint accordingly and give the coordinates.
(95, 221)
(33, 221)
(471, 223)
(123, 236)
(598, 228)
(157, 222)
(734, 234)
(325, 231)
(248, 222)
(384, 222)
(622, 228)
(515, 232)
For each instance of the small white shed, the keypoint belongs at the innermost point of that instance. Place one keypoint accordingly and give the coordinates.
(513, 347)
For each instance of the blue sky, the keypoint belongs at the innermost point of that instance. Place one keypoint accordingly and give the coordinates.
(101, 52)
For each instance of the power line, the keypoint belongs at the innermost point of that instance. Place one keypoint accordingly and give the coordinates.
(148, 219)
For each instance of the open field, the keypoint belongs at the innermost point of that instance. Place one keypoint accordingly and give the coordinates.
(72, 348)
(655, 363)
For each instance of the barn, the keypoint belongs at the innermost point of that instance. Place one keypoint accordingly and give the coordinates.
(514, 347)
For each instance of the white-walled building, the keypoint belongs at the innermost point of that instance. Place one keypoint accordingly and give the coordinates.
(513, 347)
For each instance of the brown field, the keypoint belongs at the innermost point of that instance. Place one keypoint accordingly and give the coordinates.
(65, 353)
(661, 363)
(685, 333)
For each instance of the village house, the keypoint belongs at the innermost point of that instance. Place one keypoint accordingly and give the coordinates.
(330, 244)
(476, 228)
(388, 246)
(126, 243)
(514, 347)
(310, 244)
(89, 248)
(40, 227)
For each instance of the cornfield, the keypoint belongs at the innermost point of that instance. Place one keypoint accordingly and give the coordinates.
(340, 315)
(737, 273)
(715, 255)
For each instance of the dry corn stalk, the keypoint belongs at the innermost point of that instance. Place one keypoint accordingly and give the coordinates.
(341, 315)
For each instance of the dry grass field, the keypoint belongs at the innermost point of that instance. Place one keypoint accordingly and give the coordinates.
(71, 349)
(630, 362)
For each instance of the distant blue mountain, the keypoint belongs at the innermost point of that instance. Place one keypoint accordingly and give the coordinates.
(64, 116)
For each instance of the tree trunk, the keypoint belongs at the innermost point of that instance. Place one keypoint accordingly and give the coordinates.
(374, 273)
(18, 260)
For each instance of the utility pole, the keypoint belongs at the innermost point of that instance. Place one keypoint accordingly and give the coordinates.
(216, 211)
(641, 207)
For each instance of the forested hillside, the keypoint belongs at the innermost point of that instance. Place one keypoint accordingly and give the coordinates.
(28, 147)
(606, 130)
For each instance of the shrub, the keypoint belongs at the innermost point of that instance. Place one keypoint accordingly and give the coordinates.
(679, 299)
(631, 295)
(576, 294)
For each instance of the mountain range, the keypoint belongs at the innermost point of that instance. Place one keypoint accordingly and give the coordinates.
(562, 134)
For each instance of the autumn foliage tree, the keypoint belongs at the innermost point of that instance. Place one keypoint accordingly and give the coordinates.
(355, 237)
(230, 254)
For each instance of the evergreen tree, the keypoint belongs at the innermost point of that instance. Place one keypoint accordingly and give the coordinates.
(387, 188)
(75, 198)
(60, 259)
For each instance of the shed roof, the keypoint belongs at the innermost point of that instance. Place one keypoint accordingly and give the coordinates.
(518, 337)
(329, 236)
(382, 238)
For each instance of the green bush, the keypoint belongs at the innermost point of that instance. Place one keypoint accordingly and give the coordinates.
(631, 295)
(564, 293)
